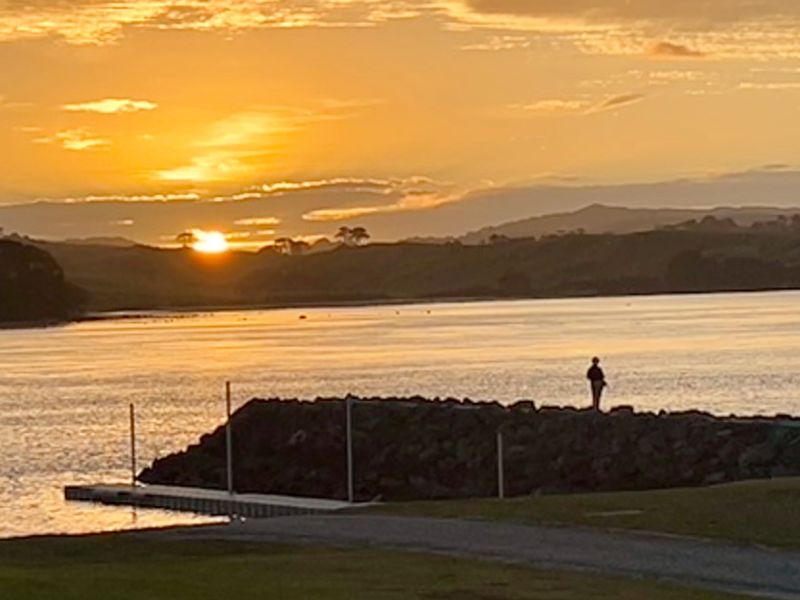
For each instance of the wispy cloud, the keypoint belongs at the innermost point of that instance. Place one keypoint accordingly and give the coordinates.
(385, 186)
(770, 85)
(726, 27)
(92, 22)
(413, 194)
(239, 145)
(578, 106)
(110, 106)
(80, 139)
(227, 149)
(258, 221)
(136, 198)
(500, 42)
(670, 50)
(406, 204)
(616, 102)
(554, 106)
(5, 103)
(720, 28)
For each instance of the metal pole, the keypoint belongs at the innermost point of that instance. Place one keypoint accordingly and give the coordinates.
(350, 487)
(228, 438)
(133, 445)
(501, 486)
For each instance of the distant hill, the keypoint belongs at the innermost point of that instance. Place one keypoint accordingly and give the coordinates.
(698, 256)
(570, 265)
(600, 218)
(140, 277)
(119, 242)
(32, 286)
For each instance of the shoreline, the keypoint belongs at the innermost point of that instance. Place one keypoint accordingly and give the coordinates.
(37, 324)
(188, 310)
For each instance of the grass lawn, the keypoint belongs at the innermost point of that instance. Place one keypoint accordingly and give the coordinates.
(761, 512)
(120, 566)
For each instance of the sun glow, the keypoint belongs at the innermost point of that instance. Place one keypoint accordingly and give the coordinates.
(210, 242)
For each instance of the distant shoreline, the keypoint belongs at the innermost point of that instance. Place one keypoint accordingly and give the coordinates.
(37, 324)
(134, 313)
(146, 312)
(165, 311)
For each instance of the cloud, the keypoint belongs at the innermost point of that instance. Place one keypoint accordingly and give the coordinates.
(5, 103)
(727, 28)
(554, 106)
(75, 139)
(743, 29)
(673, 76)
(390, 195)
(769, 85)
(616, 102)
(229, 149)
(674, 11)
(88, 22)
(137, 198)
(240, 144)
(500, 42)
(670, 50)
(257, 221)
(385, 186)
(408, 198)
(109, 106)
(376, 187)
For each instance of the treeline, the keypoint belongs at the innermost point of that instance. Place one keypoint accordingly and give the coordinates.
(568, 265)
(659, 261)
(32, 286)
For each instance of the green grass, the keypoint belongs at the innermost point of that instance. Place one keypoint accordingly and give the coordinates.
(759, 512)
(123, 567)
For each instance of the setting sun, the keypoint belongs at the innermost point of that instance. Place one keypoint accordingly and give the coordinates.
(210, 242)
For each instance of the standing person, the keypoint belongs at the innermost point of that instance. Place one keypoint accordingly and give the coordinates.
(597, 380)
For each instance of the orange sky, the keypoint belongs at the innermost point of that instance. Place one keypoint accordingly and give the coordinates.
(417, 104)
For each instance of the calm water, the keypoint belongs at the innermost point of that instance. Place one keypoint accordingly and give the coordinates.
(64, 392)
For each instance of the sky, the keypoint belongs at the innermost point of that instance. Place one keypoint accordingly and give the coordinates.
(274, 118)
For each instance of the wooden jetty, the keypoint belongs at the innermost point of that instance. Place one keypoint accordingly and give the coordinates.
(203, 501)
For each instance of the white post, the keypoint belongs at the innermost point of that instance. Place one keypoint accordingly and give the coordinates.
(228, 438)
(133, 445)
(350, 487)
(501, 486)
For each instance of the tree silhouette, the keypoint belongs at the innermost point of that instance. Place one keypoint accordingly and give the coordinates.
(359, 235)
(352, 236)
(186, 239)
(291, 247)
(343, 234)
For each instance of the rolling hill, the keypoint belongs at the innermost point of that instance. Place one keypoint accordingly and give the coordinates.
(661, 261)
(601, 218)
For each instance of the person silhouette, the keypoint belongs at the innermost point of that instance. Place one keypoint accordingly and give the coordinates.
(597, 381)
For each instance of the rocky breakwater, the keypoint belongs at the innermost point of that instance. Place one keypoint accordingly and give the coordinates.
(414, 448)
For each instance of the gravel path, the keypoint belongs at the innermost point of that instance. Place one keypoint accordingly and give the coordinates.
(739, 569)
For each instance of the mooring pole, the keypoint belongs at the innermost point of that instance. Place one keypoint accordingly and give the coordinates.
(501, 485)
(350, 487)
(133, 445)
(228, 438)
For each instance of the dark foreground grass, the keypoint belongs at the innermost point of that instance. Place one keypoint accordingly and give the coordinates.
(756, 512)
(125, 567)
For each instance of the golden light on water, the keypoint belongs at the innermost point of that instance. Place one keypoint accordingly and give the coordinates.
(210, 242)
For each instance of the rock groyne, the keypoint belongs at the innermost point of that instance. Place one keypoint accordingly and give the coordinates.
(420, 449)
